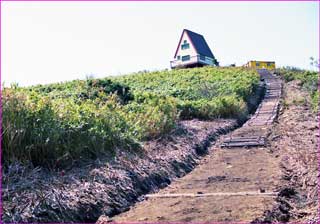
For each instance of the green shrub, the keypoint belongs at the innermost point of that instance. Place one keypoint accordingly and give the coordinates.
(203, 93)
(194, 84)
(80, 90)
(151, 116)
(219, 107)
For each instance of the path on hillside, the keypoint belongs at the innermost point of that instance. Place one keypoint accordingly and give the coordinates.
(255, 131)
(232, 183)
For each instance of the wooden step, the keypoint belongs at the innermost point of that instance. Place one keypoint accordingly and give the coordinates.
(254, 131)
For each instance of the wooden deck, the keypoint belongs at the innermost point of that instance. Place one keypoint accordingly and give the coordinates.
(255, 131)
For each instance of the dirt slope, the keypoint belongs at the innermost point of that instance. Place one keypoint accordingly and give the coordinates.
(223, 171)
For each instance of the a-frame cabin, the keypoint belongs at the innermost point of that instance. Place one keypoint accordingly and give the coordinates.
(192, 51)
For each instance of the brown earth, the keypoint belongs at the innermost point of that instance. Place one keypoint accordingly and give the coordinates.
(223, 171)
(288, 167)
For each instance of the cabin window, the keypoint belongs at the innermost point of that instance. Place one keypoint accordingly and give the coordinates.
(185, 58)
(185, 46)
(202, 57)
(257, 64)
(178, 57)
(269, 64)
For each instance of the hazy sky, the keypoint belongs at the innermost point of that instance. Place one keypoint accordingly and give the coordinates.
(45, 42)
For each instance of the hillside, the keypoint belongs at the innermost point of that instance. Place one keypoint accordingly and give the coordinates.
(53, 125)
(77, 150)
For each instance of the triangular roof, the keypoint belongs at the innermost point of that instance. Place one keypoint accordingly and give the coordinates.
(199, 43)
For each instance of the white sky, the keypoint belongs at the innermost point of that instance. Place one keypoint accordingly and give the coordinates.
(44, 42)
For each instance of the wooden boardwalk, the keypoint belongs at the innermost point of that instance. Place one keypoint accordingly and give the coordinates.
(254, 132)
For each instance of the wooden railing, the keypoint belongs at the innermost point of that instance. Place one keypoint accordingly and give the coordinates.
(193, 59)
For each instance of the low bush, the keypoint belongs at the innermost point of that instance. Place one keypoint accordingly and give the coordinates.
(204, 93)
(80, 90)
(218, 107)
(151, 116)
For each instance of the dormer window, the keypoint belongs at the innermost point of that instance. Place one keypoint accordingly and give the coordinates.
(185, 45)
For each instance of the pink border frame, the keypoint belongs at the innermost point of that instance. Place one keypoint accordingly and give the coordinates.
(1, 210)
(159, 0)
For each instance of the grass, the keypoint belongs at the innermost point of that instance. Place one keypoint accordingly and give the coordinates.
(54, 125)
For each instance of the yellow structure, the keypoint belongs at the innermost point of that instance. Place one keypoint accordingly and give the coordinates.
(261, 64)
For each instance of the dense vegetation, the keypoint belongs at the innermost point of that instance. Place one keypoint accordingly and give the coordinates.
(55, 124)
(203, 93)
(309, 81)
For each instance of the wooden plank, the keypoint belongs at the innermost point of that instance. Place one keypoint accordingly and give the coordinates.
(242, 144)
(244, 193)
(243, 137)
(242, 140)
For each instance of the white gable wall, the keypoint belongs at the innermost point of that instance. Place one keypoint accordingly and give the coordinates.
(191, 51)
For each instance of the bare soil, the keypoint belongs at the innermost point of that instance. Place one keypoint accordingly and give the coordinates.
(223, 171)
